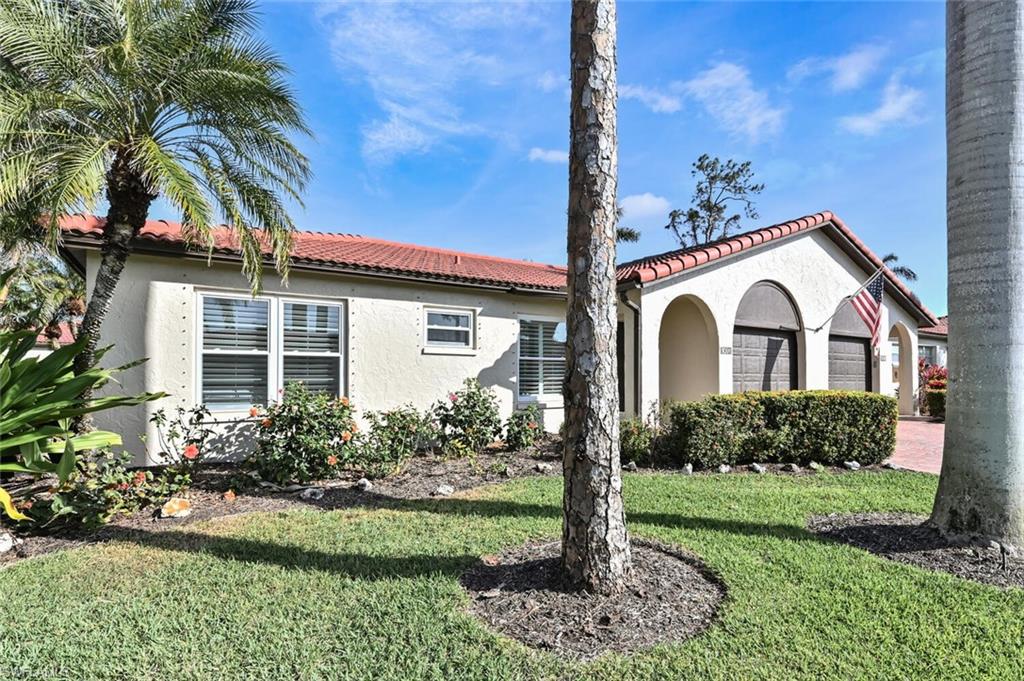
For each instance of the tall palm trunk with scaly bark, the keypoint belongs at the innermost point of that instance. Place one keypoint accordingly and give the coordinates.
(595, 544)
(981, 487)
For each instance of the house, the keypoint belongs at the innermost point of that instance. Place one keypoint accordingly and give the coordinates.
(390, 324)
(932, 342)
(45, 343)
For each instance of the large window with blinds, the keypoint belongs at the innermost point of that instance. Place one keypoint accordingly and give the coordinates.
(541, 359)
(235, 351)
(250, 348)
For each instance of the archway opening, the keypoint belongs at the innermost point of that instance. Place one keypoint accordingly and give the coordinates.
(903, 368)
(687, 350)
(764, 340)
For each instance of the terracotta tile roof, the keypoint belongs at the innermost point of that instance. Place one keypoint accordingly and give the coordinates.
(66, 336)
(361, 253)
(940, 329)
(652, 268)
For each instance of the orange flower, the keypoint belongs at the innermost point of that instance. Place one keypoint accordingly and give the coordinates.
(332, 460)
(346, 436)
(355, 427)
(265, 423)
(229, 495)
(254, 412)
(139, 478)
(344, 401)
(191, 453)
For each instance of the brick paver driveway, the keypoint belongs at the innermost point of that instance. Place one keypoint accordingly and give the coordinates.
(919, 445)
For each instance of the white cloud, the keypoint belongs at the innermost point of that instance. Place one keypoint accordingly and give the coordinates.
(646, 205)
(548, 155)
(421, 61)
(729, 96)
(846, 72)
(899, 106)
(549, 81)
(656, 101)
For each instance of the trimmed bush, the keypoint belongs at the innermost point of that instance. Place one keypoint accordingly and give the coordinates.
(394, 437)
(523, 428)
(636, 440)
(936, 402)
(799, 425)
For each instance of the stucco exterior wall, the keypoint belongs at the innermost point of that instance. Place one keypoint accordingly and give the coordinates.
(154, 314)
(816, 274)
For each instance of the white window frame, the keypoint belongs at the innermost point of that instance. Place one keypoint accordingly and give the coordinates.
(544, 399)
(440, 348)
(275, 344)
(340, 354)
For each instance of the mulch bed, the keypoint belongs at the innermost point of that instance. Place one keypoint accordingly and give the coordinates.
(671, 596)
(419, 479)
(907, 538)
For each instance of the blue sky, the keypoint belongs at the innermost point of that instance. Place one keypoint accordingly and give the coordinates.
(447, 124)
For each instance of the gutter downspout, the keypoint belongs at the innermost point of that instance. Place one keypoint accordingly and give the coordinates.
(636, 350)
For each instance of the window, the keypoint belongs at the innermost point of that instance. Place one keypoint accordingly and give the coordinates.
(252, 347)
(235, 351)
(311, 348)
(541, 358)
(449, 328)
(929, 353)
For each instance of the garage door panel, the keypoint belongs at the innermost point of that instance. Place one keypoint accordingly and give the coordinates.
(763, 360)
(849, 363)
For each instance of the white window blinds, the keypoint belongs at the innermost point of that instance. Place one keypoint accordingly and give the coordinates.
(541, 359)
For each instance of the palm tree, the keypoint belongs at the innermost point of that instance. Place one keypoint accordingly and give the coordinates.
(902, 271)
(595, 544)
(135, 99)
(981, 487)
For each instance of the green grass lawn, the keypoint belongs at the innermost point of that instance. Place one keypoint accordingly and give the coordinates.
(374, 594)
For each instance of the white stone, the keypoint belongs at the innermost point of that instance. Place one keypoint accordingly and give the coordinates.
(544, 467)
(687, 469)
(851, 465)
(444, 491)
(312, 494)
(364, 484)
(758, 468)
(724, 468)
(6, 542)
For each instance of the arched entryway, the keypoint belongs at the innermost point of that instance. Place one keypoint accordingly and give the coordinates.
(764, 342)
(849, 351)
(687, 350)
(903, 367)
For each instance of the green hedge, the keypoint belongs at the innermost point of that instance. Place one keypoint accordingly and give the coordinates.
(936, 402)
(801, 426)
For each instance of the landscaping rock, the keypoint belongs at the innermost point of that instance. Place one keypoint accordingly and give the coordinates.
(724, 468)
(791, 468)
(312, 494)
(544, 467)
(631, 466)
(364, 484)
(444, 490)
(507, 472)
(851, 465)
(176, 507)
(687, 469)
(816, 467)
(229, 495)
(6, 542)
(758, 468)
(891, 466)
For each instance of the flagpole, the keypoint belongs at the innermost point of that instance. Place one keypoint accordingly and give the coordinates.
(850, 297)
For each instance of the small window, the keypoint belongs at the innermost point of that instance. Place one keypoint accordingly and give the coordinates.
(541, 358)
(929, 353)
(311, 351)
(235, 351)
(449, 328)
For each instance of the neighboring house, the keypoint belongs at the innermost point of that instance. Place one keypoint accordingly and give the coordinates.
(45, 345)
(932, 342)
(390, 324)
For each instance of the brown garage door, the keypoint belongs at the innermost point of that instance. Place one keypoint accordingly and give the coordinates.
(849, 363)
(763, 360)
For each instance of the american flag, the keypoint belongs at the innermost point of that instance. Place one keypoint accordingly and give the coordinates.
(868, 304)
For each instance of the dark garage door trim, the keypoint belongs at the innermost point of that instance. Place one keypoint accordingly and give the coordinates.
(788, 336)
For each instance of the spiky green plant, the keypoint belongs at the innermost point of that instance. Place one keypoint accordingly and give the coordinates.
(128, 100)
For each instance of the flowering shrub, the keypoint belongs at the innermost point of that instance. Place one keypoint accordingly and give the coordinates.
(636, 441)
(181, 444)
(306, 436)
(468, 420)
(394, 437)
(523, 428)
(101, 487)
(934, 380)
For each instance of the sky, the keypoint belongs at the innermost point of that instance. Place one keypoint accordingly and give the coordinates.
(446, 124)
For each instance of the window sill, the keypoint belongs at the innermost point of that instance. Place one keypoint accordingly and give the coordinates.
(551, 403)
(437, 350)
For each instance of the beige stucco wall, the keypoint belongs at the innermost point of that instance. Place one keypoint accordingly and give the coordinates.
(154, 315)
(815, 272)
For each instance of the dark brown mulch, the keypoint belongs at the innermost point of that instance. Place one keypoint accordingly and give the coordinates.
(907, 538)
(420, 478)
(671, 596)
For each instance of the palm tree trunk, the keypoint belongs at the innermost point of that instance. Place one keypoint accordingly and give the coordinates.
(981, 488)
(129, 205)
(595, 544)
